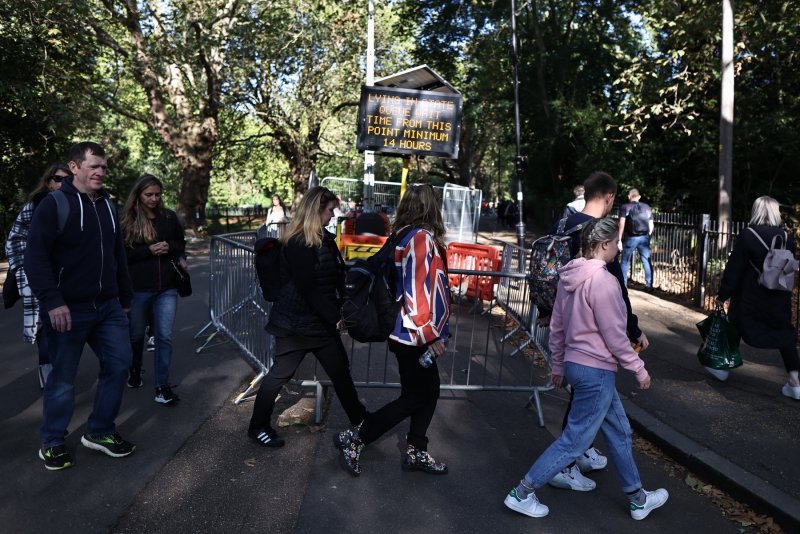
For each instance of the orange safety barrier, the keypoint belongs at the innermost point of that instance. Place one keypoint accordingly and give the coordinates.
(473, 257)
(360, 246)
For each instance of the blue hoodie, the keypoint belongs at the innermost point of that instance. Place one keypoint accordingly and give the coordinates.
(86, 264)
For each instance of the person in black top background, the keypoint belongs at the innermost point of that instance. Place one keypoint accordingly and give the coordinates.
(762, 316)
(635, 229)
(307, 314)
(154, 242)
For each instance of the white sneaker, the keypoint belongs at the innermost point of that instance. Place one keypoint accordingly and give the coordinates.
(591, 460)
(529, 506)
(655, 499)
(571, 478)
(793, 392)
(719, 374)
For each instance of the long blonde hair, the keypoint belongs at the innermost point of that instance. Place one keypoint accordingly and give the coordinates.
(419, 208)
(138, 228)
(307, 223)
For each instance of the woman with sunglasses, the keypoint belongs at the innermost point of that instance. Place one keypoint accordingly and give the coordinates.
(307, 314)
(15, 250)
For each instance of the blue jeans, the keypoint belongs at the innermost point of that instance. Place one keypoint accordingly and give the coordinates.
(161, 306)
(595, 406)
(102, 328)
(642, 244)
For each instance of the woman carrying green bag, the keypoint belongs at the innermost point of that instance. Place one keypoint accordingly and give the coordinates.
(762, 316)
(720, 349)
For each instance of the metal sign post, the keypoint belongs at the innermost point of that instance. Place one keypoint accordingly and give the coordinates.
(369, 155)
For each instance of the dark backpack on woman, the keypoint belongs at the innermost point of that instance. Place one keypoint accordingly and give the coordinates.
(371, 305)
(269, 252)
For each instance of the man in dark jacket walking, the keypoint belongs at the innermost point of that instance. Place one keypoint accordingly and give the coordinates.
(79, 274)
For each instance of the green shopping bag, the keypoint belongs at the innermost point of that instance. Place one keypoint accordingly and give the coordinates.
(720, 346)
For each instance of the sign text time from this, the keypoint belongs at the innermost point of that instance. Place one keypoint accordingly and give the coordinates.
(412, 122)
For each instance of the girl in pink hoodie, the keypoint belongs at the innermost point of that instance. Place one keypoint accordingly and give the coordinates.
(588, 342)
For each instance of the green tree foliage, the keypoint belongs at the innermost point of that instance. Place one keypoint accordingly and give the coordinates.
(175, 54)
(39, 108)
(569, 53)
(232, 101)
(300, 72)
(670, 120)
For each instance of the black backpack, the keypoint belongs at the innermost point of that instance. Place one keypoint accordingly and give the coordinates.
(639, 224)
(370, 304)
(269, 252)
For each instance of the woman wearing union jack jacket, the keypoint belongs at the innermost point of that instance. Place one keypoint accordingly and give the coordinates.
(421, 327)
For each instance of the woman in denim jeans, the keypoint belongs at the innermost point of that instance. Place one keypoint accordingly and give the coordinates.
(154, 243)
(588, 341)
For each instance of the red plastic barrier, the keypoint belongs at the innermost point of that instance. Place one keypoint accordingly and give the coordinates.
(476, 258)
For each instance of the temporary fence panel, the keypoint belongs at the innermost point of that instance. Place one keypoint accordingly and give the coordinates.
(385, 193)
(479, 355)
(461, 211)
(347, 188)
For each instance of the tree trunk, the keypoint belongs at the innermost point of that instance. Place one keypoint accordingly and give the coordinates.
(193, 195)
(196, 160)
(726, 118)
(301, 168)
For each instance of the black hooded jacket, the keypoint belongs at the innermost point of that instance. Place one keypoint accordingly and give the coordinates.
(157, 273)
(310, 301)
(83, 266)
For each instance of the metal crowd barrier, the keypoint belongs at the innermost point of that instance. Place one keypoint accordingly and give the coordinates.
(479, 356)
(238, 310)
(515, 299)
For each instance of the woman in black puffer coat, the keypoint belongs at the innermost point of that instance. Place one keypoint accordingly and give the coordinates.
(762, 316)
(307, 314)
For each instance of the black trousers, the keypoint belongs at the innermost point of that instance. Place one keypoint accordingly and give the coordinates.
(790, 358)
(419, 393)
(332, 355)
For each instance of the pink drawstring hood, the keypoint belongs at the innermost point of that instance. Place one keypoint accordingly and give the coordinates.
(589, 320)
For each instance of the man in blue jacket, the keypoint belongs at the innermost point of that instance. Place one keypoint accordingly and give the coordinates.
(78, 270)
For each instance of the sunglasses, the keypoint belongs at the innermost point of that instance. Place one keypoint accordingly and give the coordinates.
(57, 178)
